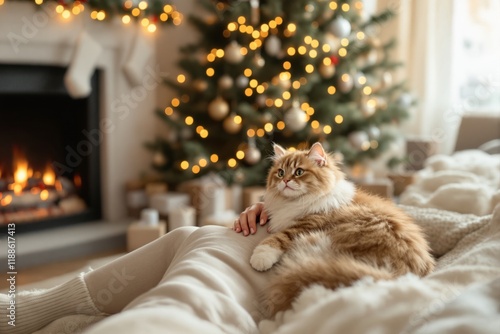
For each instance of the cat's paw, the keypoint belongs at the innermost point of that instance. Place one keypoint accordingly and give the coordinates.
(264, 257)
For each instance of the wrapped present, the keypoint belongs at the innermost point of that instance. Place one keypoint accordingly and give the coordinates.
(234, 198)
(147, 229)
(252, 195)
(166, 202)
(382, 187)
(208, 194)
(153, 188)
(417, 151)
(181, 216)
(401, 180)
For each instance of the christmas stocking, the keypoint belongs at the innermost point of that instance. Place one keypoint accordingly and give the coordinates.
(137, 60)
(77, 77)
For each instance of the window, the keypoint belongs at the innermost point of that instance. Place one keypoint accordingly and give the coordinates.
(476, 56)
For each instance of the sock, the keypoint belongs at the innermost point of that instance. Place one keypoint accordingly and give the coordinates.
(36, 309)
(137, 60)
(77, 77)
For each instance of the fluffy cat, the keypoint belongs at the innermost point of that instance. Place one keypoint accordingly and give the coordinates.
(325, 231)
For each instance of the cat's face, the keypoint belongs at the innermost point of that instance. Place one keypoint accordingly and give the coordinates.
(301, 173)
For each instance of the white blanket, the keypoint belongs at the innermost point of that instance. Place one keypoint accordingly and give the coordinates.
(211, 288)
(466, 182)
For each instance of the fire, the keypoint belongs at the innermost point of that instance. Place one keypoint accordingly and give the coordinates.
(44, 195)
(6, 200)
(49, 176)
(21, 172)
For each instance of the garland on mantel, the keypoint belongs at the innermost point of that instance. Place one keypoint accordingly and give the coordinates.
(149, 13)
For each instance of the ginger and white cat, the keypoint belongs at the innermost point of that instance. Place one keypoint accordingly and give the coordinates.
(325, 231)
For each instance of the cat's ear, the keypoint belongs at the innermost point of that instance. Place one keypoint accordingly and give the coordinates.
(317, 154)
(278, 151)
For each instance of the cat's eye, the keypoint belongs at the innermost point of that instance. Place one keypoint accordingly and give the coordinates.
(281, 173)
(299, 172)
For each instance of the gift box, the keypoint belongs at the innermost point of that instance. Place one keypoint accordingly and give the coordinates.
(382, 187)
(181, 216)
(208, 195)
(252, 195)
(147, 229)
(166, 202)
(400, 181)
(417, 152)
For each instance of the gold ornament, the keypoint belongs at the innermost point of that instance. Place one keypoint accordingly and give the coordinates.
(232, 53)
(327, 71)
(225, 82)
(230, 125)
(159, 159)
(200, 85)
(218, 108)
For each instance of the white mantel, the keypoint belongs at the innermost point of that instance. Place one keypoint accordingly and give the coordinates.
(30, 35)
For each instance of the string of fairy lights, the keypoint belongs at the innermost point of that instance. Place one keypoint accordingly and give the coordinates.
(149, 13)
(261, 33)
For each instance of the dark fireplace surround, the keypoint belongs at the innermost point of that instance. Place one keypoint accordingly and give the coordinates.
(38, 117)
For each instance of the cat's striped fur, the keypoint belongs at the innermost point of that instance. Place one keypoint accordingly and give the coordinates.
(327, 232)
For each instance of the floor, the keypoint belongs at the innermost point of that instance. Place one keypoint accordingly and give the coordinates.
(47, 271)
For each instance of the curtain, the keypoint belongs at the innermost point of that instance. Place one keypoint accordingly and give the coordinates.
(424, 32)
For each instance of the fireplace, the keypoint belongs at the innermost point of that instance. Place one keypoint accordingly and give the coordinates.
(49, 152)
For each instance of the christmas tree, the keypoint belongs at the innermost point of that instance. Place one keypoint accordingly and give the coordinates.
(286, 71)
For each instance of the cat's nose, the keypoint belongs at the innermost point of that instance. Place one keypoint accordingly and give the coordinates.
(286, 181)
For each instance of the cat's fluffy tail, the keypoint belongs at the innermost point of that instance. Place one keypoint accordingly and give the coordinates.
(331, 271)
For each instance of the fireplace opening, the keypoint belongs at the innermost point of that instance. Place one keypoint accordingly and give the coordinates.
(49, 150)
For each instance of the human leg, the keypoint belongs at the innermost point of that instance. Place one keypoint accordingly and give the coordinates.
(105, 290)
(209, 287)
(117, 283)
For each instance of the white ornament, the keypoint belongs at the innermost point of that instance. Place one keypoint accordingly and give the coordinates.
(373, 132)
(241, 81)
(386, 79)
(272, 46)
(81, 69)
(357, 79)
(372, 57)
(340, 27)
(333, 41)
(345, 83)
(252, 155)
(368, 107)
(232, 53)
(309, 11)
(358, 139)
(225, 82)
(295, 118)
(405, 100)
(218, 108)
(259, 61)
